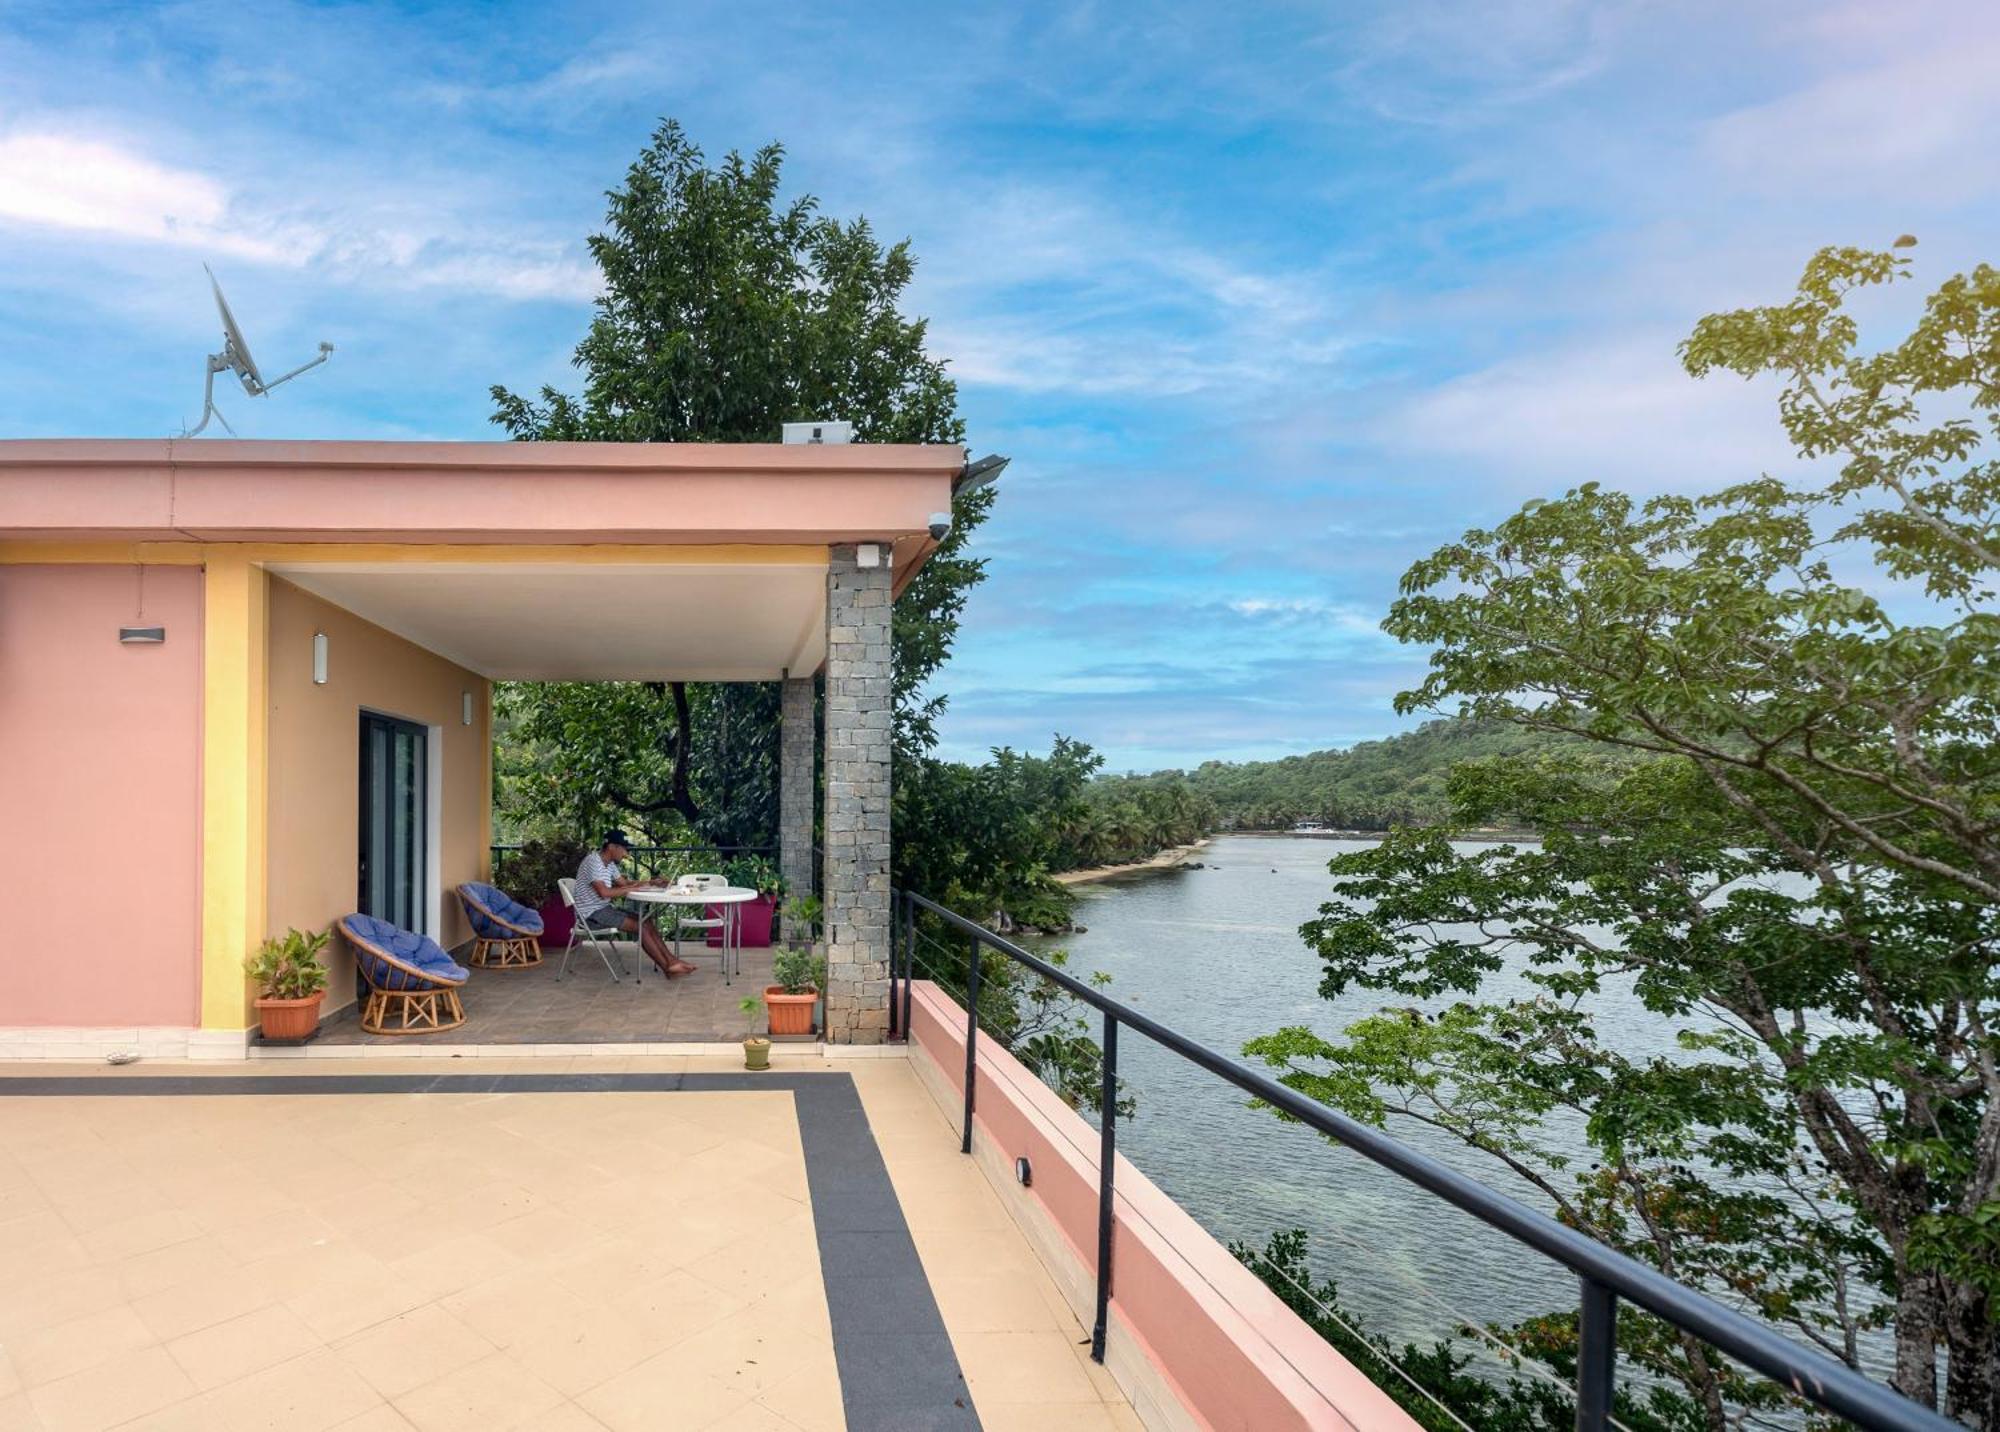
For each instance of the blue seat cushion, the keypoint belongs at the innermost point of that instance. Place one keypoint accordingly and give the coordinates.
(438, 967)
(482, 902)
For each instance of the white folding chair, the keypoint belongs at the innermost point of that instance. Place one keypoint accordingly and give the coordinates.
(685, 921)
(604, 942)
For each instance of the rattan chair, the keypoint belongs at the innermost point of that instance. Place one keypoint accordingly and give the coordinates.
(505, 933)
(412, 984)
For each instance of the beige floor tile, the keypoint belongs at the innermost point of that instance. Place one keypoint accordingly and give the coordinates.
(677, 1305)
(201, 1303)
(141, 1233)
(996, 1303)
(574, 1352)
(89, 1401)
(30, 1303)
(49, 1354)
(177, 1265)
(1036, 1367)
(350, 1302)
(563, 1417)
(808, 1395)
(1057, 1417)
(307, 1394)
(409, 1350)
(457, 1263)
(376, 1419)
(17, 1414)
(659, 1395)
(233, 1349)
(752, 1417)
(491, 1395)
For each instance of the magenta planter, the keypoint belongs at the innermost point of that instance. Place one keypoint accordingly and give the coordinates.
(557, 920)
(755, 915)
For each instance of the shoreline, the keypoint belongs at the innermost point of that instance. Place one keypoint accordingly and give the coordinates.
(1164, 860)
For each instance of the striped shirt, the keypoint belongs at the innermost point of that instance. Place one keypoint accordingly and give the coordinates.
(594, 870)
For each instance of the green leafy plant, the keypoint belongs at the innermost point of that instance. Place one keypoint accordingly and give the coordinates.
(531, 872)
(755, 872)
(798, 972)
(288, 966)
(802, 914)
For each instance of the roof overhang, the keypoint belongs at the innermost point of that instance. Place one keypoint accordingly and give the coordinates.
(224, 490)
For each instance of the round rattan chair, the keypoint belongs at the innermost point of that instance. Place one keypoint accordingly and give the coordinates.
(412, 983)
(505, 933)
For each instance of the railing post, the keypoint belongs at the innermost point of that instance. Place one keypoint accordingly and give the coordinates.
(971, 1041)
(1596, 1356)
(1107, 1160)
(909, 958)
(895, 940)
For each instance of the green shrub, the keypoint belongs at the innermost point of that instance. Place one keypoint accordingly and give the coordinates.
(798, 972)
(289, 966)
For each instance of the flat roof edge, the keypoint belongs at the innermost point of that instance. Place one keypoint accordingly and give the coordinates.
(924, 459)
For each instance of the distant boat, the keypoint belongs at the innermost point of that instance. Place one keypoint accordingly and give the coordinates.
(1310, 827)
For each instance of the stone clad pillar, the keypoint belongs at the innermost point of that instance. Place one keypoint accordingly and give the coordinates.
(856, 816)
(795, 785)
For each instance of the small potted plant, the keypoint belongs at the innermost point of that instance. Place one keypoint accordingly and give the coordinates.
(756, 1047)
(802, 914)
(800, 977)
(292, 979)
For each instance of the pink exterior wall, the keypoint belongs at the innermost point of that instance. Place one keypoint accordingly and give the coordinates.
(1234, 1355)
(100, 796)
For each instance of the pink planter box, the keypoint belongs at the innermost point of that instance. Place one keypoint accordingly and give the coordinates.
(755, 917)
(557, 919)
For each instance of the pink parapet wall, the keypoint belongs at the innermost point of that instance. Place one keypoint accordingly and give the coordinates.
(1206, 1344)
(100, 796)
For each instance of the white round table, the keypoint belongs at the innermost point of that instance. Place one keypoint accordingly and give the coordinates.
(728, 897)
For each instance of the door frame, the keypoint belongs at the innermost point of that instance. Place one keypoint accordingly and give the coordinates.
(431, 899)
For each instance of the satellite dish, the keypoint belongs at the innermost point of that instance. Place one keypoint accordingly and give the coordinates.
(235, 358)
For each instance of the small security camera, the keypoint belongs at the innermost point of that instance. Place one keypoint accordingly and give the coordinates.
(940, 524)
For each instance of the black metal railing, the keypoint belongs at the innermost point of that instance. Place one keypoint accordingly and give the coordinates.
(652, 862)
(1604, 1275)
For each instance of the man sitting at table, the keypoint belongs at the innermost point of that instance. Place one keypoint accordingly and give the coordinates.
(599, 882)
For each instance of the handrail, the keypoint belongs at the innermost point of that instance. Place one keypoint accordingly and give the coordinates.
(1606, 1274)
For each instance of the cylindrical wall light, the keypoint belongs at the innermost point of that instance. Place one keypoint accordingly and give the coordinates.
(319, 658)
(465, 718)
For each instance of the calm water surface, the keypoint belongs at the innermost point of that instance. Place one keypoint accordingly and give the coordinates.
(1216, 953)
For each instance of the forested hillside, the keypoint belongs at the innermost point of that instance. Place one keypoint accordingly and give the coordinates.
(1372, 786)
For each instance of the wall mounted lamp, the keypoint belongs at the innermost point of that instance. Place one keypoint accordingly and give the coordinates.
(465, 708)
(142, 636)
(319, 658)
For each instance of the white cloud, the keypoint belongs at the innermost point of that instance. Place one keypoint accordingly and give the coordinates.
(53, 178)
(70, 182)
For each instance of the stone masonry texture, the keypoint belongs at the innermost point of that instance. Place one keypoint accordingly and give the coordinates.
(795, 786)
(856, 811)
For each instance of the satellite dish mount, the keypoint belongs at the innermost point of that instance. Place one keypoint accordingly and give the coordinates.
(235, 358)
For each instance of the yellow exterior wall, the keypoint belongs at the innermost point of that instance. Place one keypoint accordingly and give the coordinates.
(313, 826)
(235, 594)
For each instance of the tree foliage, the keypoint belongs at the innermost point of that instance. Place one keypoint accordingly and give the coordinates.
(727, 310)
(1800, 870)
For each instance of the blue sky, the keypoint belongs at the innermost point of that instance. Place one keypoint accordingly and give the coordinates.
(1264, 301)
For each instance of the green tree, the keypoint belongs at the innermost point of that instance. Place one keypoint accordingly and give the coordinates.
(1801, 868)
(727, 310)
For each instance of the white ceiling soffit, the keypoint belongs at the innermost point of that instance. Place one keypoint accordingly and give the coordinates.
(698, 622)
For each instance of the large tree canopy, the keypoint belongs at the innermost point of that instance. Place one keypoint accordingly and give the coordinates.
(1801, 871)
(728, 310)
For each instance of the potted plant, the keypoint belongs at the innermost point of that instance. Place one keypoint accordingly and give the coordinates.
(292, 980)
(802, 914)
(800, 977)
(753, 872)
(530, 874)
(756, 1047)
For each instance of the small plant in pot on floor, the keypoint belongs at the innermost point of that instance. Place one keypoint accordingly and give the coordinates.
(291, 983)
(756, 1047)
(802, 914)
(799, 978)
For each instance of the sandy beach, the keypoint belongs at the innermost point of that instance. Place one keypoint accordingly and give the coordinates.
(1165, 860)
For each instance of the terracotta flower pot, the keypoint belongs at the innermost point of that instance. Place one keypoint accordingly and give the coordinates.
(790, 1013)
(289, 1018)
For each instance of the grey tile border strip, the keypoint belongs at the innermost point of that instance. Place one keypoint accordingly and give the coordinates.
(897, 1367)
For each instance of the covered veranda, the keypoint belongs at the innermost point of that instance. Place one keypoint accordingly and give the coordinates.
(204, 644)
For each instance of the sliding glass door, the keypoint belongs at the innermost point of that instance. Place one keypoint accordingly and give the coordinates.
(394, 797)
